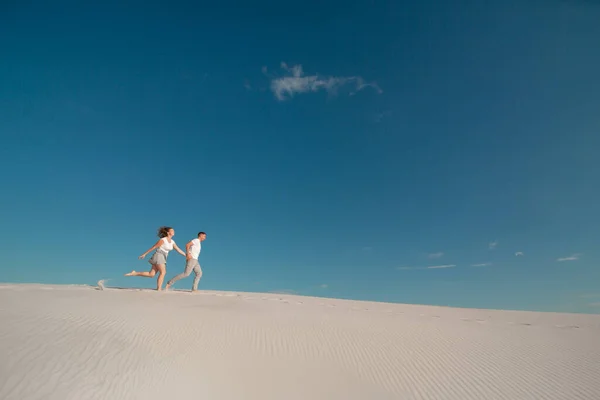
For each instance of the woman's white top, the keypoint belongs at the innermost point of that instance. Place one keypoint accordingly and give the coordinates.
(165, 246)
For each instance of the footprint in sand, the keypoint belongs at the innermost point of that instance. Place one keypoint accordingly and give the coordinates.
(481, 321)
(521, 323)
(566, 326)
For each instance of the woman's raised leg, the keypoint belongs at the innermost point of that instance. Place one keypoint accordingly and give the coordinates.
(147, 274)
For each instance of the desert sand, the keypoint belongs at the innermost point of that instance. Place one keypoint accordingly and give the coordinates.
(77, 342)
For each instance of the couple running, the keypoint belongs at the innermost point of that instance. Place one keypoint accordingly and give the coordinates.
(159, 259)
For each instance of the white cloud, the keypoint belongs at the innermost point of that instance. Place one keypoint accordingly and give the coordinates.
(288, 86)
(594, 304)
(481, 265)
(324, 286)
(431, 267)
(441, 266)
(493, 245)
(435, 255)
(519, 253)
(573, 257)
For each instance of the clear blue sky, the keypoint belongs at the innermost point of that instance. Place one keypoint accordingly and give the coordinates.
(328, 149)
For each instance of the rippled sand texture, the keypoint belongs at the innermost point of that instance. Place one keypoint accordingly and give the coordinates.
(70, 342)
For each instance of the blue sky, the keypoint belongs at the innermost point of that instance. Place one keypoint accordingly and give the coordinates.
(327, 149)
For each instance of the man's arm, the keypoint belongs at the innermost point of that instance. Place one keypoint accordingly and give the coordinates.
(187, 249)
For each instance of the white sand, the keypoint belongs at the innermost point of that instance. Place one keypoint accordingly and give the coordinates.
(74, 342)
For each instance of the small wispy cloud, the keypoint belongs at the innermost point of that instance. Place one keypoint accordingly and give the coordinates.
(367, 249)
(597, 304)
(573, 257)
(435, 255)
(492, 245)
(519, 254)
(297, 82)
(481, 265)
(441, 266)
(324, 286)
(247, 84)
(590, 295)
(430, 267)
(380, 116)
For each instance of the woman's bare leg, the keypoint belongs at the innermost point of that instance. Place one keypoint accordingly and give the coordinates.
(162, 269)
(147, 274)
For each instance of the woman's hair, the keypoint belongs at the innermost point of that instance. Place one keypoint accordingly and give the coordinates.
(163, 231)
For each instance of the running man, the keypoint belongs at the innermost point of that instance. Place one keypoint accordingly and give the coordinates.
(192, 250)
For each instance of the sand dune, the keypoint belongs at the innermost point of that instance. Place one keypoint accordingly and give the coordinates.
(74, 342)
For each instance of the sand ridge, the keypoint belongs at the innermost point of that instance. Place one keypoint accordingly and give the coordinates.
(75, 342)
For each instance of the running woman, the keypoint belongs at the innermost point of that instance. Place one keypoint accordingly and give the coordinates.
(158, 261)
